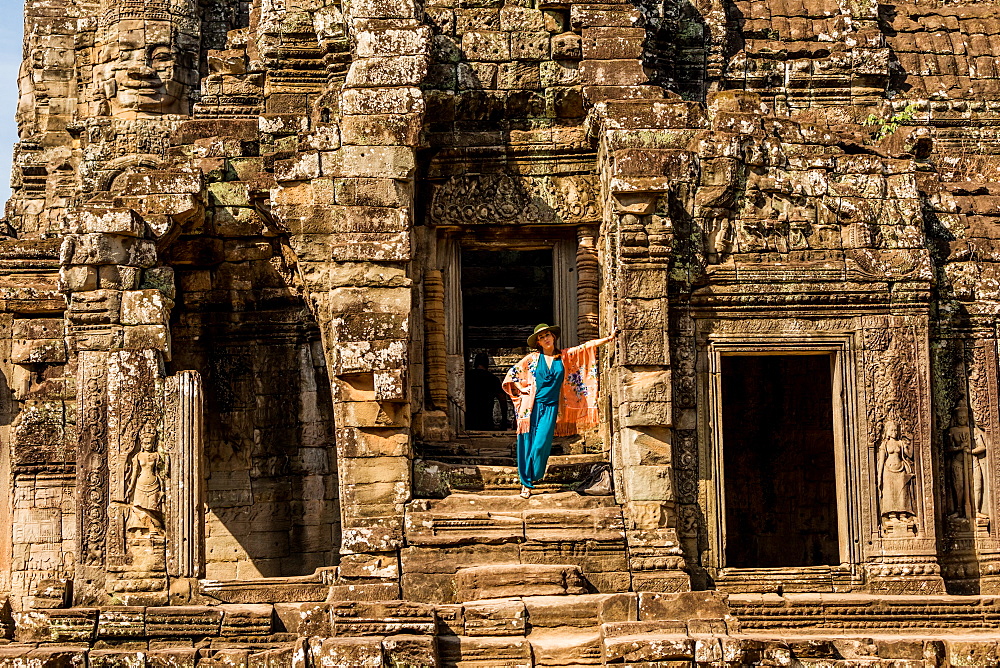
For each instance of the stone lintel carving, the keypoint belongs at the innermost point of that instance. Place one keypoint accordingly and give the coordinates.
(502, 199)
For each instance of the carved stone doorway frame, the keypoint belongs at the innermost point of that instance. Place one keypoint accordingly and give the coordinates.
(575, 292)
(850, 456)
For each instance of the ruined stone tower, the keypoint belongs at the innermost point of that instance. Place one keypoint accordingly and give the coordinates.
(255, 249)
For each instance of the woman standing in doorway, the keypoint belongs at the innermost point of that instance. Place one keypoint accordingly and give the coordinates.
(555, 394)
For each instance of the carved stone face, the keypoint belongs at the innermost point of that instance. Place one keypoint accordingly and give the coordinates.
(143, 69)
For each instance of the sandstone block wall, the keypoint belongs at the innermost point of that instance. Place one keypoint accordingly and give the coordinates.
(231, 329)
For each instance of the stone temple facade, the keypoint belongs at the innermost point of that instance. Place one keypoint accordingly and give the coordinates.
(254, 248)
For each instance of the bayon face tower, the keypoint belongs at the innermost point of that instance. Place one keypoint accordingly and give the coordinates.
(263, 259)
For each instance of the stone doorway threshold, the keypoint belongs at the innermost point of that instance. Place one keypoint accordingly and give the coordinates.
(815, 579)
(435, 479)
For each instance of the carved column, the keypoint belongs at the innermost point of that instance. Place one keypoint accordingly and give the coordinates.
(434, 332)
(183, 443)
(982, 475)
(982, 395)
(91, 473)
(564, 291)
(136, 539)
(587, 283)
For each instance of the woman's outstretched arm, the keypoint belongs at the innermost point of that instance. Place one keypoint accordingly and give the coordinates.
(607, 339)
(593, 343)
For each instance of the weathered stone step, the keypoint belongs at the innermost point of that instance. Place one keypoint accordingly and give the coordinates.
(477, 445)
(464, 530)
(472, 518)
(437, 479)
(314, 587)
(485, 582)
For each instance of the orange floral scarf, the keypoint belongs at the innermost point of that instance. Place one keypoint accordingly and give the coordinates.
(577, 398)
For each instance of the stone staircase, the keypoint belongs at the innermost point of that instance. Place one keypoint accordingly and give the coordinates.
(465, 530)
(530, 616)
(641, 630)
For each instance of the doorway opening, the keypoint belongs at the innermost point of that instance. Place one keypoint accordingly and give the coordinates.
(505, 293)
(778, 455)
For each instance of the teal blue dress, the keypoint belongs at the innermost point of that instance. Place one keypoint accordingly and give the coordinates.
(533, 448)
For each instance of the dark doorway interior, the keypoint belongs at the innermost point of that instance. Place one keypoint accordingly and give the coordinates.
(778, 445)
(505, 293)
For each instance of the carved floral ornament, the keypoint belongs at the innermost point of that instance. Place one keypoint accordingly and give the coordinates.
(503, 199)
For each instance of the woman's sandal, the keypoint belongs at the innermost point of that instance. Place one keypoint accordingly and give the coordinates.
(525, 492)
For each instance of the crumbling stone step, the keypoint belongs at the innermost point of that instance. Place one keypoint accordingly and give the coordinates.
(392, 650)
(314, 587)
(465, 530)
(437, 479)
(471, 518)
(117, 623)
(486, 582)
(470, 652)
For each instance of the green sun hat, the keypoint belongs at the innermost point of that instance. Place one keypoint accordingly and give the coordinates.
(533, 339)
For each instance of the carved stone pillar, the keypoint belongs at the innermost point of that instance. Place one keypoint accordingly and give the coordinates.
(91, 474)
(981, 355)
(564, 291)
(434, 332)
(587, 283)
(183, 443)
(642, 397)
(971, 560)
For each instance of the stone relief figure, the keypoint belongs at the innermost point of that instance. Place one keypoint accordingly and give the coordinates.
(980, 479)
(966, 452)
(957, 450)
(798, 234)
(751, 237)
(145, 58)
(894, 472)
(719, 230)
(145, 488)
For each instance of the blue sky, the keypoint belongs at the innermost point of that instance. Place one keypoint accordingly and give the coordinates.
(11, 34)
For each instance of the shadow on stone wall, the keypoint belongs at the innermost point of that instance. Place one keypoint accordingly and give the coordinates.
(271, 483)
